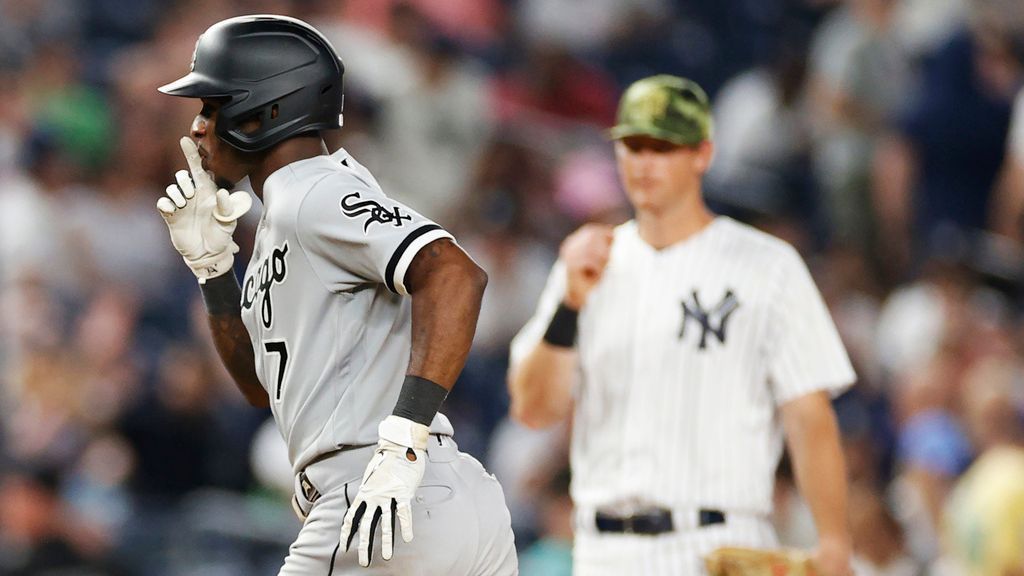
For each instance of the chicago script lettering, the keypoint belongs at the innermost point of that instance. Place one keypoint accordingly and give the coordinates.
(272, 270)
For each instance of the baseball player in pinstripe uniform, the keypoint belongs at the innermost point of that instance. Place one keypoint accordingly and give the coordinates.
(686, 346)
(354, 318)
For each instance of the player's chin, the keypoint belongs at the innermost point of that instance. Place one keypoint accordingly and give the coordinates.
(223, 182)
(641, 199)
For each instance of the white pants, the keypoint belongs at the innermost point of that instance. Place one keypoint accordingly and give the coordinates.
(677, 553)
(461, 526)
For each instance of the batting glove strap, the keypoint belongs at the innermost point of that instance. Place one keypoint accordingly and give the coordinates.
(404, 432)
(213, 266)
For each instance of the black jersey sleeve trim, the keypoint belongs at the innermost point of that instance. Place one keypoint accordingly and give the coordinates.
(389, 272)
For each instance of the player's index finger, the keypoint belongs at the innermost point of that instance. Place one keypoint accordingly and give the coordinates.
(191, 152)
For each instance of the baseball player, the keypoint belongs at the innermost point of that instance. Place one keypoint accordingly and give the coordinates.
(684, 344)
(353, 320)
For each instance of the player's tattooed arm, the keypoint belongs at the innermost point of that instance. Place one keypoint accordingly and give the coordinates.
(230, 337)
(446, 287)
(232, 342)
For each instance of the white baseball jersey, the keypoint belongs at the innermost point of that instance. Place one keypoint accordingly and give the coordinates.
(684, 355)
(323, 301)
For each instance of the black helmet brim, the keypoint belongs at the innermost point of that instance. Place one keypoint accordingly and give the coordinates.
(196, 85)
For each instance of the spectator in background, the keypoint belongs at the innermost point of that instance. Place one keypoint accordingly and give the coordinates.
(119, 207)
(38, 240)
(435, 128)
(985, 516)
(551, 554)
(1008, 208)
(878, 542)
(551, 87)
(37, 535)
(475, 22)
(936, 172)
(859, 77)
(26, 26)
(761, 129)
(932, 450)
(107, 362)
(582, 27)
(176, 418)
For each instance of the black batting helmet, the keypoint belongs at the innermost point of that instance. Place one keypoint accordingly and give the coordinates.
(275, 68)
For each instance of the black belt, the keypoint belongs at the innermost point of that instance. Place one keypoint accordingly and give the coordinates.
(654, 522)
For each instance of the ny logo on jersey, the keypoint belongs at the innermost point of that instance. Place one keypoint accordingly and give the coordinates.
(711, 321)
(376, 214)
(271, 271)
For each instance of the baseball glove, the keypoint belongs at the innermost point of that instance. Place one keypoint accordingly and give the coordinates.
(736, 561)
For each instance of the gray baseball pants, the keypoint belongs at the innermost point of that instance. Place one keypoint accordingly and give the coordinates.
(461, 526)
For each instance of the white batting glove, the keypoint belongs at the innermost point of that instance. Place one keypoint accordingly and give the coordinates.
(389, 484)
(202, 218)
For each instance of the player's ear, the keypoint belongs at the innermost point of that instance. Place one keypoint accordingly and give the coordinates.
(705, 154)
(250, 124)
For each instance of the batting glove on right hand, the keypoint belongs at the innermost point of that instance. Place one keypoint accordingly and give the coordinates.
(389, 484)
(202, 218)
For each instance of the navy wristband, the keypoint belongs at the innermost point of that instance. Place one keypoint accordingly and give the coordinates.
(562, 329)
(419, 400)
(222, 295)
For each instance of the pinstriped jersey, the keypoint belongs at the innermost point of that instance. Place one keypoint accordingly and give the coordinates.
(684, 355)
(324, 301)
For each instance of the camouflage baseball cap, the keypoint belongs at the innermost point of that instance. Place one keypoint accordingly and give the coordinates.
(664, 107)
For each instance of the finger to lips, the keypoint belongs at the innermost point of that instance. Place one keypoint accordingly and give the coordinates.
(194, 160)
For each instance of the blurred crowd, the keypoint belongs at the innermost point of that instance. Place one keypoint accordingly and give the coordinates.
(878, 136)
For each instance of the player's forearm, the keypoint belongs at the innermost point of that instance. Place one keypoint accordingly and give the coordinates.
(447, 288)
(540, 387)
(221, 296)
(813, 437)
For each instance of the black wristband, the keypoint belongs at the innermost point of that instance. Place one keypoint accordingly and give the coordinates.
(419, 399)
(222, 295)
(562, 329)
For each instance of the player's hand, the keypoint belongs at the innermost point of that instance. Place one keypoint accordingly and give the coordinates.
(202, 218)
(389, 484)
(585, 254)
(832, 557)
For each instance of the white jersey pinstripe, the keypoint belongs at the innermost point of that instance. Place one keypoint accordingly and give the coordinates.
(684, 355)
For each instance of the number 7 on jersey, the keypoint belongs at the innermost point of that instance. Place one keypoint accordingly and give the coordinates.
(280, 348)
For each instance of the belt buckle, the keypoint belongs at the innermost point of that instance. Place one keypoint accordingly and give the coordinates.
(309, 492)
